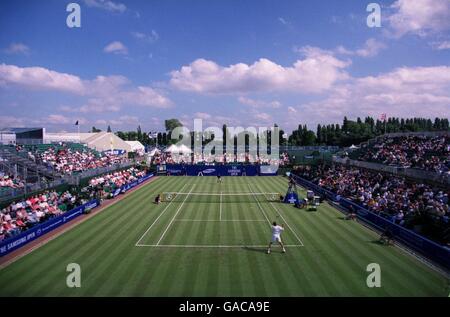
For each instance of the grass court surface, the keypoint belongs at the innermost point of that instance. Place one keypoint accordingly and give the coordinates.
(214, 245)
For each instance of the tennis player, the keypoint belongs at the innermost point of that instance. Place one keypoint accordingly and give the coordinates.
(276, 236)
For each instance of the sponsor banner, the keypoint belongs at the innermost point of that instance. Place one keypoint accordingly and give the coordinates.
(117, 192)
(268, 170)
(428, 248)
(235, 170)
(115, 152)
(35, 232)
(174, 171)
(212, 170)
(209, 171)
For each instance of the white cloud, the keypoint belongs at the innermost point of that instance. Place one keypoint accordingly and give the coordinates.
(202, 115)
(316, 73)
(410, 79)
(263, 116)
(259, 103)
(17, 48)
(106, 5)
(371, 48)
(210, 120)
(10, 121)
(292, 110)
(104, 93)
(419, 17)
(442, 45)
(57, 119)
(49, 120)
(403, 92)
(116, 47)
(40, 78)
(152, 37)
(283, 21)
(101, 122)
(125, 121)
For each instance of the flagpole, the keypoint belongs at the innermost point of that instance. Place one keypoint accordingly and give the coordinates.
(78, 129)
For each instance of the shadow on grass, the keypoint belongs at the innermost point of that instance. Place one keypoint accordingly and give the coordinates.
(378, 242)
(253, 249)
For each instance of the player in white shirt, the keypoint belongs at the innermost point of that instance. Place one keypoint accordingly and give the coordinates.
(276, 236)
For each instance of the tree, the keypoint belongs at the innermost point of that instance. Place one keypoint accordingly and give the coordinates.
(139, 134)
(95, 130)
(121, 135)
(345, 125)
(319, 134)
(171, 124)
(309, 138)
(224, 134)
(281, 137)
(109, 129)
(159, 138)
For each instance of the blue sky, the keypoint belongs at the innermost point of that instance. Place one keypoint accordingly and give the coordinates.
(244, 63)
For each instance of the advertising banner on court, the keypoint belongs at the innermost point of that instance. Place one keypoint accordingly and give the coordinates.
(129, 186)
(268, 170)
(212, 170)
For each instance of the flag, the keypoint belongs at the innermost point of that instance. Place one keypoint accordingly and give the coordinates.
(76, 123)
(383, 117)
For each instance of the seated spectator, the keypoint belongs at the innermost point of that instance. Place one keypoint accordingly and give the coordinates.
(387, 237)
(65, 160)
(409, 204)
(427, 153)
(7, 181)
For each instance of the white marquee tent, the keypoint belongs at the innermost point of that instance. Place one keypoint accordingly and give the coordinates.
(136, 146)
(182, 149)
(154, 152)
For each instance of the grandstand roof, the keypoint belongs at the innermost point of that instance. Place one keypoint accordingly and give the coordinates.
(17, 130)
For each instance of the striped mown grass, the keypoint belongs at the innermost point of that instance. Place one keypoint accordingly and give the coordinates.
(213, 254)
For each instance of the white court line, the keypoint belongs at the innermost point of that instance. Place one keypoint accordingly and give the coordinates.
(148, 229)
(287, 224)
(220, 208)
(223, 194)
(212, 246)
(212, 220)
(171, 221)
(260, 208)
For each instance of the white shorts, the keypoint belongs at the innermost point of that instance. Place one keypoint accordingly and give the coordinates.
(276, 238)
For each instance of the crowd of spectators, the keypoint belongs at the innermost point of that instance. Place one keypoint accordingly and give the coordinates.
(7, 181)
(66, 160)
(25, 213)
(427, 153)
(417, 206)
(105, 185)
(246, 158)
